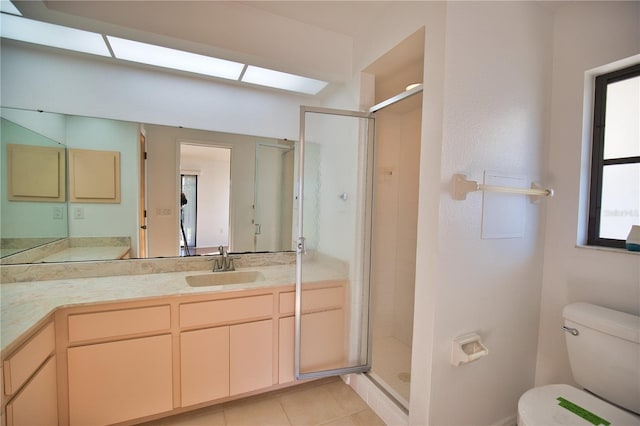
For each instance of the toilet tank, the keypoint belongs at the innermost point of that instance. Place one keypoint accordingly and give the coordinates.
(605, 354)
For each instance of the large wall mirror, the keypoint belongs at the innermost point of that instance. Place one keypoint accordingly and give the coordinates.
(239, 191)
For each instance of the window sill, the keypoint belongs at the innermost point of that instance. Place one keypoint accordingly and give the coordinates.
(608, 249)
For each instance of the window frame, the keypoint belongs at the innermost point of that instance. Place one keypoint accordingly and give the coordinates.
(597, 154)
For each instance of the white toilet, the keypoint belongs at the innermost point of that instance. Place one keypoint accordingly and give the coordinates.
(604, 353)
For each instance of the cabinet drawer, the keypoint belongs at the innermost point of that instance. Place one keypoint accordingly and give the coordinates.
(22, 364)
(313, 300)
(122, 322)
(226, 310)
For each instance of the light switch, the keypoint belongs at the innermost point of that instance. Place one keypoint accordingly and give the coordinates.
(58, 213)
(78, 213)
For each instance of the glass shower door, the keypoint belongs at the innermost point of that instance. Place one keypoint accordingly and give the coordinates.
(333, 248)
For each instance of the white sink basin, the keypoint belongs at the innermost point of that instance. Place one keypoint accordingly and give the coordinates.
(222, 278)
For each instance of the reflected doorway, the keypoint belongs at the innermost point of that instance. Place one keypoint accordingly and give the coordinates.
(206, 182)
(188, 213)
(273, 197)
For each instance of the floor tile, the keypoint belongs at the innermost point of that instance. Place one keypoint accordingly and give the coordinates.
(326, 402)
(346, 397)
(261, 412)
(311, 407)
(367, 418)
(210, 416)
(342, 421)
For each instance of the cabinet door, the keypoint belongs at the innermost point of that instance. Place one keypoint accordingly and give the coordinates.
(322, 341)
(204, 365)
(118, 381)
(251, 351)
(37, 402)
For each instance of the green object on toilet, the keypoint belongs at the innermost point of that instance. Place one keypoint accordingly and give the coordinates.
(585, 414)
(633, 239)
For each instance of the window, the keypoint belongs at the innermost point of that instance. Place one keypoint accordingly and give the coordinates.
(614, 199)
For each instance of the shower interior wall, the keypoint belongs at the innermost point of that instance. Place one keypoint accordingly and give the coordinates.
(395, 222)
(398, 138)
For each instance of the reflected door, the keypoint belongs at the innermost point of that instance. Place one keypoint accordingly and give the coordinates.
(273, 199)
(142, 197)
(333, 246)
(188, 211)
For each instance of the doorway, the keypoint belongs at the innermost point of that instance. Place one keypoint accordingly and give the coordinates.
(397, 74)
(273, 197)
(394, 244)
(188, 213)
(206, 183)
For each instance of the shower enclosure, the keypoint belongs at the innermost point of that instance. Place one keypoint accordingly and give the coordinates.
(394, 245)
(357, 210)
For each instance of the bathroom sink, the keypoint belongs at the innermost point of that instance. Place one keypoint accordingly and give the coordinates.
(221, 278)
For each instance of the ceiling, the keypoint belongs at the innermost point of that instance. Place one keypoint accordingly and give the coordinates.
(344, 17)
(311, 38)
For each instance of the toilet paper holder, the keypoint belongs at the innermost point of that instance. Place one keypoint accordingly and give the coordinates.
(467, 348)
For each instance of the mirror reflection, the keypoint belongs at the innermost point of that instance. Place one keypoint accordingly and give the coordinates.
(239, 191)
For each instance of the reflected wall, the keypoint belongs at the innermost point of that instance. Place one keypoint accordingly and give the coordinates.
(24, 224)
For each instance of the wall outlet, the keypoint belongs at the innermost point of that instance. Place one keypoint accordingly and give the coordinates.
(58, 213)
(78, 212)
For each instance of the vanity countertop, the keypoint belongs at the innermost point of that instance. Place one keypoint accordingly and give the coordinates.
(24, 304)
(75, 254)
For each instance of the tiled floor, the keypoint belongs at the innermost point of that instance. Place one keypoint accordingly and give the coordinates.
(327, 402)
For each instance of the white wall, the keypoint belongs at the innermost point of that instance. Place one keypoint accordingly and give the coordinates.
(494, 72)
(497, 67)
(89, 86)
(608, 278)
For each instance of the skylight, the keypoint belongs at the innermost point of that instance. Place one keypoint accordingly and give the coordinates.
(282, 80)
(36, 32)
(22, 29)
(175, 59)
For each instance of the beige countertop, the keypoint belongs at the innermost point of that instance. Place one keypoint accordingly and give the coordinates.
(75, 254)
(24, 304)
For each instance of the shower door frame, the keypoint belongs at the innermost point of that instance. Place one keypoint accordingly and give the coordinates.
(300, 245)
(368, 217)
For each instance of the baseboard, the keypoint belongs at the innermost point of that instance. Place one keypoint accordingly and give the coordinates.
(507, 421)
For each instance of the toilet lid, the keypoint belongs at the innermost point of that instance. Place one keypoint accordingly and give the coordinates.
(566, 405)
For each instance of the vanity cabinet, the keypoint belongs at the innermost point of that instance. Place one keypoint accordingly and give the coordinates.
(118, 381)
(226, 360)
(322, 342)
(204, 365)
(251, 353)
(114, 376)
(30, 385)
(36, 403)
(132, 361)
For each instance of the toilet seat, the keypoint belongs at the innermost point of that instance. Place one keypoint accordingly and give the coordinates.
(540, 407)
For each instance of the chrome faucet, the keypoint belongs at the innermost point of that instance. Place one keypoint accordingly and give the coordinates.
(223, 263)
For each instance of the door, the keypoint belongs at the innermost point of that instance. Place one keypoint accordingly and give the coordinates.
(142, 208)
(273, 198)
(335, 191)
